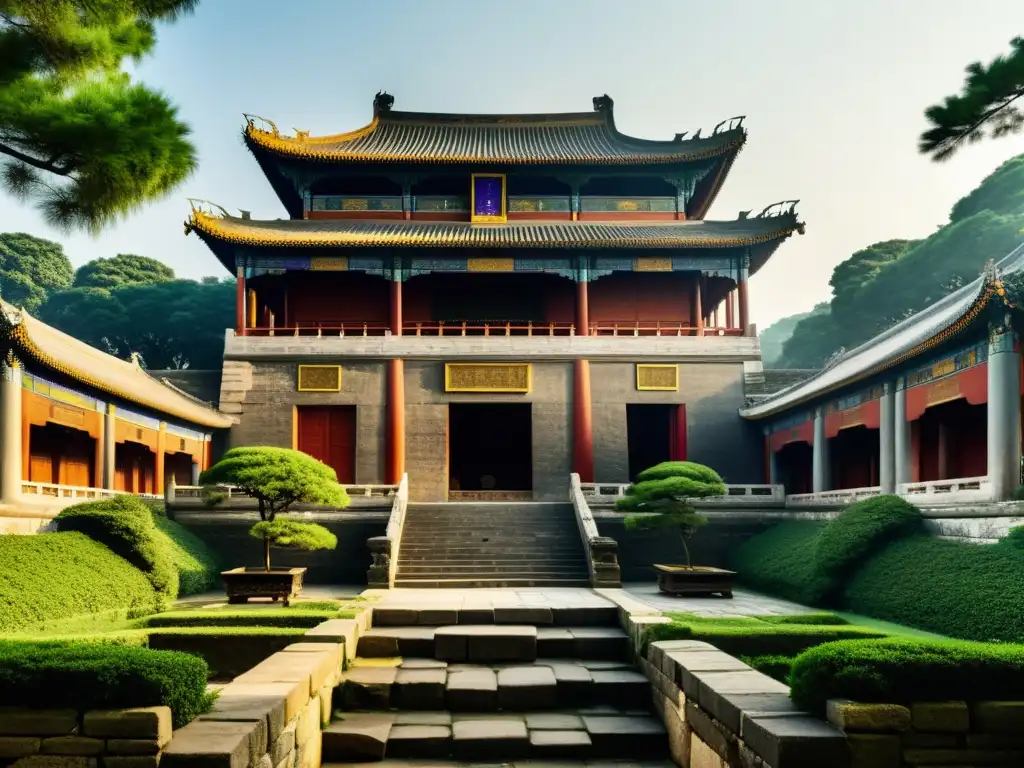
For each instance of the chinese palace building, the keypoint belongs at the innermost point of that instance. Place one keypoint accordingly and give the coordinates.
(77, 424)
(491, 302)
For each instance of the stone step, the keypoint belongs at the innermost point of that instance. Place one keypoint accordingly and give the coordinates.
(576, 616)
(498, 643)
(588, 734)
(482, 554)
(488, 583)
(474, 566)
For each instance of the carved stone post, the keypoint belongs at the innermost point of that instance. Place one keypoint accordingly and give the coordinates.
(379, 574)
(604, 557)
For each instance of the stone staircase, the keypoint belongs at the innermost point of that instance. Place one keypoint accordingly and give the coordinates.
(460, 544)
(497, 686)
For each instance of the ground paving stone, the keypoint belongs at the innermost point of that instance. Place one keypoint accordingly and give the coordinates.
(423, 664)
(554, 721)
(491, 738)
(526, 688)
(419, 741)
(420, 688)
(472, 690)
(423, 718)
(637, 737)
(368, 687)
(555, 642)
(358, 736)
(215, 744)
(561, 745)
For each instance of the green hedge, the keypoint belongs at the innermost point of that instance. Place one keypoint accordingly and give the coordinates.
(51, 578)
(257, 617)
(781, 561)
(905, 671)
(197, 565)
(777, 667)
(227, 651)
(862, 529)
(125, 525)
(84, 676)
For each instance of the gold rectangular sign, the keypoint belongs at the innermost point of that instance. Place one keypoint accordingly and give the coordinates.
(657, 378)
(319, 378)
(652, 264)
(490, 265)
(487, 377)
(329, 263)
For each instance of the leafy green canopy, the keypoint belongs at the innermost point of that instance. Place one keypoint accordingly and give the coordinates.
(782, 561)
(862, 529)
(121, 270)
(31, 269)
(83, 142)
(988, 101)
(197, 565)
(283, 533)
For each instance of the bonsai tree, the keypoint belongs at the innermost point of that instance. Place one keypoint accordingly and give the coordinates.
(277, 478)
(662, 497)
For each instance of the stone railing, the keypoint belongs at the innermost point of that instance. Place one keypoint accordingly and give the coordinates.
(838, 498)
(59, 737)
(947, 491)
(602, 552)
(384, 549)
(176, 493)
(74, 492)
(760, 495)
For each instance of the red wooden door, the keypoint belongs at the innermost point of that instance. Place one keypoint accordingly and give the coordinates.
(329, 435)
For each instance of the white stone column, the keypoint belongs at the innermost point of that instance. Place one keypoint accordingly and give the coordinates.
(821, 480)
(195, 473)
(887, 440)
(901, 436)
(10, 432)
(1003, 413)
(109, 447)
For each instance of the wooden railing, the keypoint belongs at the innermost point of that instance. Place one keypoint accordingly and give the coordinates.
(321, 329)
(430, 328)
(55, 491)
(510, 328)
(734, 494)
(656, 328)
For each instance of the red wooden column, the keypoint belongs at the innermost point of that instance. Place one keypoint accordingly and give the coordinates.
(729, 310)
(698, 311)
(582, 426)
(240, 295)
(582, 308)
(678, 447)
(741, 292)
(395, 460)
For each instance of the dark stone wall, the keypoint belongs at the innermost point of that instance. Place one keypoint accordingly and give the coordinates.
(711, 545)
(227, 533)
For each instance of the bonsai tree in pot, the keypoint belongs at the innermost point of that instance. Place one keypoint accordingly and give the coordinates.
(662, 498)
(277, 478)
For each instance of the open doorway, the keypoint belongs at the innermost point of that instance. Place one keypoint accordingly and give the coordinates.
(654, 433)
(490, 447)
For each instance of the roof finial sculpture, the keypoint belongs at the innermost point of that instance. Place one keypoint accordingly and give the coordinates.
(136, 359)
(382, 102)
(603, 103)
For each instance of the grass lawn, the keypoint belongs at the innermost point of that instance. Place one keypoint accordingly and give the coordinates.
(887, 626)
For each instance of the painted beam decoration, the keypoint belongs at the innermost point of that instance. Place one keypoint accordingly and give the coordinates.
(487, 377)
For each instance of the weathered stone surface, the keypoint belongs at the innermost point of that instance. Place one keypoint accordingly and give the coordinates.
(423, 664)
(368, 687)
(476, 616)
(394, 617)
(357, 737)
(575, 684)
(635, 737)
(326, 705)
(21, 746)
(55, 761)
(344, 631)
(728, 708)
(940, 717)
(560, 745)
(875, 750)
(266, 702)
(910, 739)
(485, 643)
(555, 643)
(986, 741)
(489, 739)
(375, 643)
(999, 716)
(963, 757)
(420, 741)
(437, 617)
(524, 688)
(307, 724)
(678, 731)
(398, 641)
(554, 721)
(423, 718)
(75, 745)
(334, 649)
(311, 669)
(713, 686)
(284, 745)
(214, 744)
(472, 690)
(138, 723)
(795, 742)
(626, 687)
(523, 615)
(584, 616)
(309, 754)
(599, 643)
(420, 688)
(681, 666)
(874, 718)
(713, 734)
(19, 721)
(703, 756)
(131, 761)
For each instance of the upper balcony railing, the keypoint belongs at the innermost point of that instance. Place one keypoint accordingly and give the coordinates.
(356, 203)
(538, 204)
(508, 328)
(628, 204)
(441, 203)
(516, 203)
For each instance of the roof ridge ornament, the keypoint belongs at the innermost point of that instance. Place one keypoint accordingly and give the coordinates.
(779, 209)
(382, 102)
(205, 207)
(603, 103)
(250, 121)
(834, 358)
(734, 123)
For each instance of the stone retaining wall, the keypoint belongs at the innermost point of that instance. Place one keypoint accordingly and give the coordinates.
(116, 738)
(989, 733)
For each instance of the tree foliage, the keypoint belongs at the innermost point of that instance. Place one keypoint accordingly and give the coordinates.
(989, 101)
(31, 269)
(170, 324)
(121, 270)
(662, 496)
(83, 141)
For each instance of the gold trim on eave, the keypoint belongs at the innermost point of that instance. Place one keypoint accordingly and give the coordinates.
(655, 369)
(314, 371)
(522, 371)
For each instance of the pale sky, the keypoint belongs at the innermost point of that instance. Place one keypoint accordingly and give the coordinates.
(834, 94)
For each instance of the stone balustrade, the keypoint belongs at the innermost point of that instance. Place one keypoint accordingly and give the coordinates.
(956, 490)
(837, 498)
(195, 494)
(735, 494)
(384, 549)
(73, 493)
(602, 552)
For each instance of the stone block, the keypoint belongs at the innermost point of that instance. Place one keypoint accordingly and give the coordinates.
(422, 664)
(683, 667)
(999, 716)
(20, 746)
(490, 739)
(307, 724)
(639, 738)
(420, 742)
(265, 702)
(873, 718)
(527, 688)
(131, 761)
(875, 750)
(326, 703)
(703, 756)
(437, 617)
(420, 688)
(600, 643)
(394, 617)
(523, 615)
(911, 740)
(22, 721)
(215, 744)
(575, 684)
(584, 616)
(626, 687)
(560, 745)
(476, 616)
(375, 644)
(940, 717)
(991, 741)
(310, 669)
(55, 761)
(721, 741)
(555, 643)
(963, 757)
(398, 641)
(357, 737)
(728, 707)
(678, 731)
(554, 721)
(75, 745)
(137, 723)
(472, 690)
(795, 742)
(485, 643)
(132, 746)
(310, 754)
(284, 745)
(368, 687)
(423, 718)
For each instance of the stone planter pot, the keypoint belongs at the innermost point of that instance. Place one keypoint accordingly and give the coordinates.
(695, 582)
(277, 583)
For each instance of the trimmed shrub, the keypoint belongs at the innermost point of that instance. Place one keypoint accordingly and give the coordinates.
(262, 617)
(820, 619)
(781, 561)
(1015, 538)
(776, 667)
(197, 566)
(85, 676)
(50, 578)
(862, 529)
(125, 525)
(905, 671)
(227, 651)
(962, 590)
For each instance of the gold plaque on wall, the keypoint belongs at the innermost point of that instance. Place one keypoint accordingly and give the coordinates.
(319, 378)
(487, 377)
(660, 378)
